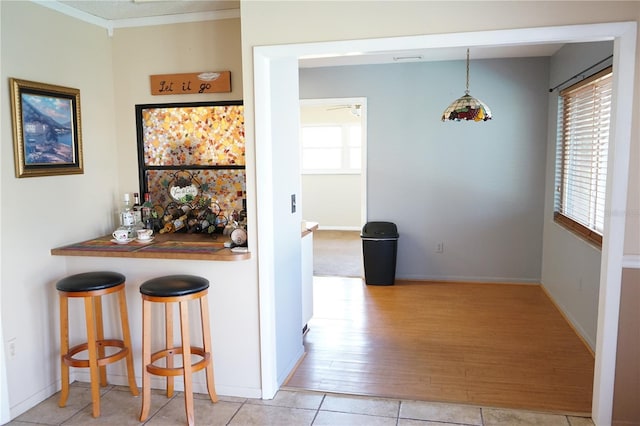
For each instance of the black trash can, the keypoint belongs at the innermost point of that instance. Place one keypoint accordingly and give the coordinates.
(379, 252)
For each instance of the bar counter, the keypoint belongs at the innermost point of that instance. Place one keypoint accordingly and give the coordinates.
(163, 246)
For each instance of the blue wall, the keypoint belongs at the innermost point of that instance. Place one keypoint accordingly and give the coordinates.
(478, 188)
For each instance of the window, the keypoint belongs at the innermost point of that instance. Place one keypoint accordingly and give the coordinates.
(581, 159)
(191, 159)
(333, 148)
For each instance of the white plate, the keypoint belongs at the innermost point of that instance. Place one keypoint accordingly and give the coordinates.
(127, 241)
(145, 241)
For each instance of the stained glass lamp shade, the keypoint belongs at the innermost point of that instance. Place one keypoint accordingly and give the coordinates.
(467, 107)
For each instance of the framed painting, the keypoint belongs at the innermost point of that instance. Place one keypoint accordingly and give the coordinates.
(47, 137)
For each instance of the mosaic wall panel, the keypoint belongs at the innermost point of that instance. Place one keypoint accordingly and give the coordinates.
(193, 135)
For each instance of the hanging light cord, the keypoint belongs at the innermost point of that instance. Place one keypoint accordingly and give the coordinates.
(467, 91)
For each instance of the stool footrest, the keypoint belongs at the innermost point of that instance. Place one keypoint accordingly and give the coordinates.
(177, 371)
(106, 360)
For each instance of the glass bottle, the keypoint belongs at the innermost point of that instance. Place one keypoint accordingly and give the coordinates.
(137, 209)
(127, 217)
(147, 207)
(174, 225)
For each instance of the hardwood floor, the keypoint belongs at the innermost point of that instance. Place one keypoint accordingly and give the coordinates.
(498, 345)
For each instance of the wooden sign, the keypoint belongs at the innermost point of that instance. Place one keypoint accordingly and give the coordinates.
(183, 84)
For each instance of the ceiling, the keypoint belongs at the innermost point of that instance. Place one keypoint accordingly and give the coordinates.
(130, 9)
(435, 54)
(117, 12)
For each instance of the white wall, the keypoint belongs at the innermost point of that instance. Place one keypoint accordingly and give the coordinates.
(28, 271)
(235, 359)
(167, 49)
(113, 75)
(4, 391)
(570, 266)
(184, 48)
(278, 184)
(280, 22)
(332, 200)
(44, 46)
(283, 28)
(476, 187)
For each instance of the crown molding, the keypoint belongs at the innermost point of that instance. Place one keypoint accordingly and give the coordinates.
(111, 24)
(176, 19)
(74, 13)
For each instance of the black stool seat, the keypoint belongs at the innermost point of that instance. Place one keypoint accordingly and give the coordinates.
(174, 285)
(90, 281)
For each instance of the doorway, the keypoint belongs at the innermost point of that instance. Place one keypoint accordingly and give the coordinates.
(279, 64)
(333, 162)
(333, 181)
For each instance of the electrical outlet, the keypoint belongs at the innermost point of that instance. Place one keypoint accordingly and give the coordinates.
(11, 343)
(440, 247)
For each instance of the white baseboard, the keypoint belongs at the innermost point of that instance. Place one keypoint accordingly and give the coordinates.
(491, 280)
(575, 325)
(35, 399)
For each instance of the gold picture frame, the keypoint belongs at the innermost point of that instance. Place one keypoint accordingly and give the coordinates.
(47, 136)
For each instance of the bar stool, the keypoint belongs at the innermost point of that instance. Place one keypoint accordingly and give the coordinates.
(91, 286)
(167, 290)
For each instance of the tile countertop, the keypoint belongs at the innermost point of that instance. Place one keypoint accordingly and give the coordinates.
(308, 227)
(163, 246)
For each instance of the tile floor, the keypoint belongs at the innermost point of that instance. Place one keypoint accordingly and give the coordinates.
(288, 408)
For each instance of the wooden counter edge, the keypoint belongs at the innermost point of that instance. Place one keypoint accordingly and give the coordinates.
(223, 255)
(309, 227)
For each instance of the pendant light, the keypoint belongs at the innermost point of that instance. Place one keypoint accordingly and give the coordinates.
(467, 107)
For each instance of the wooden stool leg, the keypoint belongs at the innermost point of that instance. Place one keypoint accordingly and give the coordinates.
(168, 342)
(206, 339)
(64, 348)
(93, 355)
(186, 361)
(126, 337)
(97, 308)
(146, 359)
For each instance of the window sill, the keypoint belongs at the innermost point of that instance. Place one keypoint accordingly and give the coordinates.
(581, 231)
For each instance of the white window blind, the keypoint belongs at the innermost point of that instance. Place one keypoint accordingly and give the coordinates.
(583, 144)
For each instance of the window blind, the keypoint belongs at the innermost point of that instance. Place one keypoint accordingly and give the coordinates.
(583, 144)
